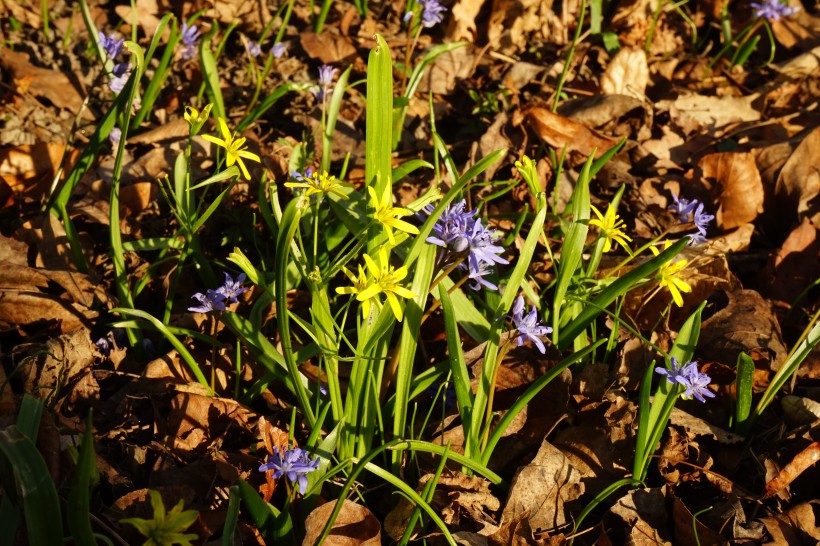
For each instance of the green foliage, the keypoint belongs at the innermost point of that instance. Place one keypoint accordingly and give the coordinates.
(165, 528)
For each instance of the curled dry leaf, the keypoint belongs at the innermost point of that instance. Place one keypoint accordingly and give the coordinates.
(61, 361)
(794, 268)
(691, 110)
(329, 46)
(462, 24)
(801, 462)
(799, 182)
(196, 421)
(558, 131)
(795, 526)
(626, 74)
(354, 526)
(800, 410)
(739, 187)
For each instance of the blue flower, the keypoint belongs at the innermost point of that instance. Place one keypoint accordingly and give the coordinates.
(211, 300)
(294, 463)
(528, 326)
(432, 12)
(688, 375)
(326, 74)
(279, 49)
(683, 207)
(230, 289)
(702, 219)
(773, 10)
(190, 39)
(111, 45)
(254, 49)
(115, 135)
(119, 76)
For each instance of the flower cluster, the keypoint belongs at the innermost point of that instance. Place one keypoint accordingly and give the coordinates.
(773, 10)
(294, 463)
(689, 377)
(190, 39)
(432, 13)
(460, 233)
(217, 300)
(315, 184)
(683, 208)
(528, 326)
(122, 70)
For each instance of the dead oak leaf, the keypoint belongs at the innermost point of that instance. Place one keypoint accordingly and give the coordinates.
(558, 132)
(739, 185)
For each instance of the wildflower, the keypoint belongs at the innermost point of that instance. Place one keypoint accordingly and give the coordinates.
(477, 275)
(190, 39)
(668, 276)
(232, 289)
(528, 326)
(683, 207)
(773, 10)
(120, 74)
(279, 50)
(211, 300)
(431, 13)
(611, 228)
(294, 463)
(111, 45)
(254, 49)
(115, 135)
(452, 227)
(385, 281)
(326, 74)
(407, 17)
(483, 247)
(360, 284)
(702, 219)
(388, 215)
(165, 528)
(317, 184)
(197, 119)
(694, 381)
(234, 148)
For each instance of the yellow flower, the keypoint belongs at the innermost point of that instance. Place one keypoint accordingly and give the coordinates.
(388, 215)
(197, 119)
(611, 228)
(234, 148)
(668, 276)
(360, 284)
(385, 281)
(318, 184)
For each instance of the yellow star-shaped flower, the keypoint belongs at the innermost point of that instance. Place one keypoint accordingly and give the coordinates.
(668, 276)
(234, 147)
(611, 226)
(360, 284)
(319, 184)
(383, 279)
(388, 215)
(195, 118)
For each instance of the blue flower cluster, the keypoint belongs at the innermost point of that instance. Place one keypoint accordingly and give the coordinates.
(528, 326)
(432, 13)
(460, 233)
(294, 463)
(121, 71)
(773, 10)
(190, 39)
(694, 381)
(684, 208)
(217, 300)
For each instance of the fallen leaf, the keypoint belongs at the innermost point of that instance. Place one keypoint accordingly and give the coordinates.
(558, 132)
(689, 529)
(799, 410)
(695, 111)
(627, 74)
(196, 421)
(354, 526)
(645, 515)
(794, 268)
(462, 24)
(738, 185)
(60, 362)
(797, 526)
(51, 85)
(540, 490)
(329, 47)
(801, 462)
(799, 182)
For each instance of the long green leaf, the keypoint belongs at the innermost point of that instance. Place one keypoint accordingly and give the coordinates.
(79, 499)
(378, 135)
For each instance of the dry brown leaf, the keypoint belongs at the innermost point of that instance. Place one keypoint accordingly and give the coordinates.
(644, 513)
(329, 46)
(627, 74)
(558, 131)
(61, 361)
(462, 24)
(683, 528)
(799, 410)
(746, 323)
(799, 182)
(41, 82)
(801, 462)
(514, 24)
(740, 187)
(447, 70)
(692, 110)
(695, 426)
(23, 13)
(797, 526)
(30, 169)
(796, 264)
(540, 490)
(354, 526)
(197, 421)
(145, 16)
(599, 110)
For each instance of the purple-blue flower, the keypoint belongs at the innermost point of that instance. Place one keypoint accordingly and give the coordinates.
(119, 76)
(190, 39)
(432, 12)
(111, 45)
(683, 207)
(254, 49)
(528, 326)
(451, 229)
(701, 219)
(232, 289)
(773, 10)
(294, 463)
(300, 177)
(326, 74)
(688, 375)
(279, 49)
(211, 300)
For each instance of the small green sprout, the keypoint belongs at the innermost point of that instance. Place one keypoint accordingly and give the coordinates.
(166, 529)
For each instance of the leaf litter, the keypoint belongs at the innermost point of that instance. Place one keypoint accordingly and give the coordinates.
(743, 140)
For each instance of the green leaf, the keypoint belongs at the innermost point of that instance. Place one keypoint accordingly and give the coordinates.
(79, 501)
